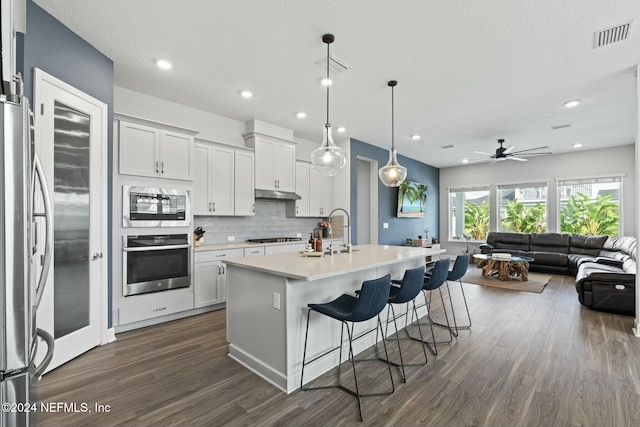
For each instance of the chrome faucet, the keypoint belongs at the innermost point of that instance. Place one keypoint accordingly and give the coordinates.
(348, 227)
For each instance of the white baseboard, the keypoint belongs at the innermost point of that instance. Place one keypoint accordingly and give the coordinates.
(108, 336)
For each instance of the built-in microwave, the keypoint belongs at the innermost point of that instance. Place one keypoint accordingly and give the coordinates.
(155, 207)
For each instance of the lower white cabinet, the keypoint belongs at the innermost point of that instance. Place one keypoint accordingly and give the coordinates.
(210, 275)
(281, 249)
(154, 306)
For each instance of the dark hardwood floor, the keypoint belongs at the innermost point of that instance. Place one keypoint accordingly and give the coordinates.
(529, 360)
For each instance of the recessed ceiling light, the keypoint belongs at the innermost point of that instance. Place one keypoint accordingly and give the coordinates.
(415, 137)
(577, 145)
(326, 82)
(465, 160)
(572, 103)
(341, 129)
(164, 64)
(301, 115)
(246, 94)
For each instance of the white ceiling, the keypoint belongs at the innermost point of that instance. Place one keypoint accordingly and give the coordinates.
(469, 72)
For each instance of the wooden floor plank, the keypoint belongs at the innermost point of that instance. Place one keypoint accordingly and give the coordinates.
(528, 360)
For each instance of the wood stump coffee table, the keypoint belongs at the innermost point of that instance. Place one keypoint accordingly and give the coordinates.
(517, 267)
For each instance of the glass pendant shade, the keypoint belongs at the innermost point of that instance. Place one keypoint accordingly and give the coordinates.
(328, 159)
(392, 174)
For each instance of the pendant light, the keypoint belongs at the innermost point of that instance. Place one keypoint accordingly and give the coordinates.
(328, 159)
(392, 174)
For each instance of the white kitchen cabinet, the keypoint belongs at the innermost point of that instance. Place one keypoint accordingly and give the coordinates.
(315, 191)
(210, 275)
(244, 185)
(320, 194)
(213, 190)
(301, 207)
(284, 248)
(254, 251)
(147, 150)
(275, 162)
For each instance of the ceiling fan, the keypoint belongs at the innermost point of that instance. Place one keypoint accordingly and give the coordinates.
(503, 153)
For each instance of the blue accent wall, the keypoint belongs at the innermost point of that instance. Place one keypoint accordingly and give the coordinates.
(55, 49)
(399, 229)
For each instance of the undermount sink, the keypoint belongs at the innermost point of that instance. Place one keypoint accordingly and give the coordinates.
(340, 251)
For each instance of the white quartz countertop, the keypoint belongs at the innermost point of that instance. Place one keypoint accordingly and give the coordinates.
(296, 266)
(240, 245)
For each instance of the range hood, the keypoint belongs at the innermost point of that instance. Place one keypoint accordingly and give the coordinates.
(277, 194)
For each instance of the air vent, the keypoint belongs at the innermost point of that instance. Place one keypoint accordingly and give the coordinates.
(611, 35)
(447, 146)
(556, 127)
(335, 65)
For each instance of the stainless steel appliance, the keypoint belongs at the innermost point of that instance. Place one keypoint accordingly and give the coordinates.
(155, 263)
(155, 207)
(275, 239)
(20, 289)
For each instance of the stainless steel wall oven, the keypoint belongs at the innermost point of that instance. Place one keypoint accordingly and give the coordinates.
(155, 263)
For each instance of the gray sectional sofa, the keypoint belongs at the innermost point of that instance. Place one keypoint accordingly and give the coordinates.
(604, 266)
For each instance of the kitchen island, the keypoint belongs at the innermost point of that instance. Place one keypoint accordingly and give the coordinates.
(267, 301)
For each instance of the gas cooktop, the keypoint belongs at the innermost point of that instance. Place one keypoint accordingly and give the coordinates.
(275, 239)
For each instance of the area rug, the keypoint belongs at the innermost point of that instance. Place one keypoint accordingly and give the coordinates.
(536, 282)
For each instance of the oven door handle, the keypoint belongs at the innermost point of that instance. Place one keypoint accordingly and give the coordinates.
(155, 248)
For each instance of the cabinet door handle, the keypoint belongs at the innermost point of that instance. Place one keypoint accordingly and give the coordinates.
(160, 309)
(157, 167)
(221, 255)
(224, 270)
(297, 209)
(254, 208)
(162, 165)
(214, 206)
(96, 256)
(209, 206)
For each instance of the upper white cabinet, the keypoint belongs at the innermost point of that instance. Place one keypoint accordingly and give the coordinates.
(223, 181)
(245, 190)
(315, 191)
(302, 189)
(275, 162)
(153, 151)
(320, 193)
(213, 192)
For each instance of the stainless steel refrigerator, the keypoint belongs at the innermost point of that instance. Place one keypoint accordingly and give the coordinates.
(22, 275)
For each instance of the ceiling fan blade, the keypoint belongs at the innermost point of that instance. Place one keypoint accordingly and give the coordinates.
(520, 159)
(510, 149)
(531, 149)
(533, 154)
(481, 152)
(477, 161)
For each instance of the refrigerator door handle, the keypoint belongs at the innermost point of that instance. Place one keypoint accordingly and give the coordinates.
(38, 172)
(46, 337)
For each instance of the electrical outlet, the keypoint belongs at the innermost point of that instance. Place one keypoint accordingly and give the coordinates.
(385, 225)
(276, 301)
(231, 238)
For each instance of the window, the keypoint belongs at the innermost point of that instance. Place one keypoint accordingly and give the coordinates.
(523, 207)
(469, 213)
(590, 206)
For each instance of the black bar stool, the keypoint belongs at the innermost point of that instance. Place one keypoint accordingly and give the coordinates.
(410, 287)
(457, 272)
(432, 281)
(372, 298)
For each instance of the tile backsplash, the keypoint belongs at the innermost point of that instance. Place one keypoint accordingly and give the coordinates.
(269, 221)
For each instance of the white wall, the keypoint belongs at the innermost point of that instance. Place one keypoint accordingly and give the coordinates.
(579, 164)
(210, 126)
